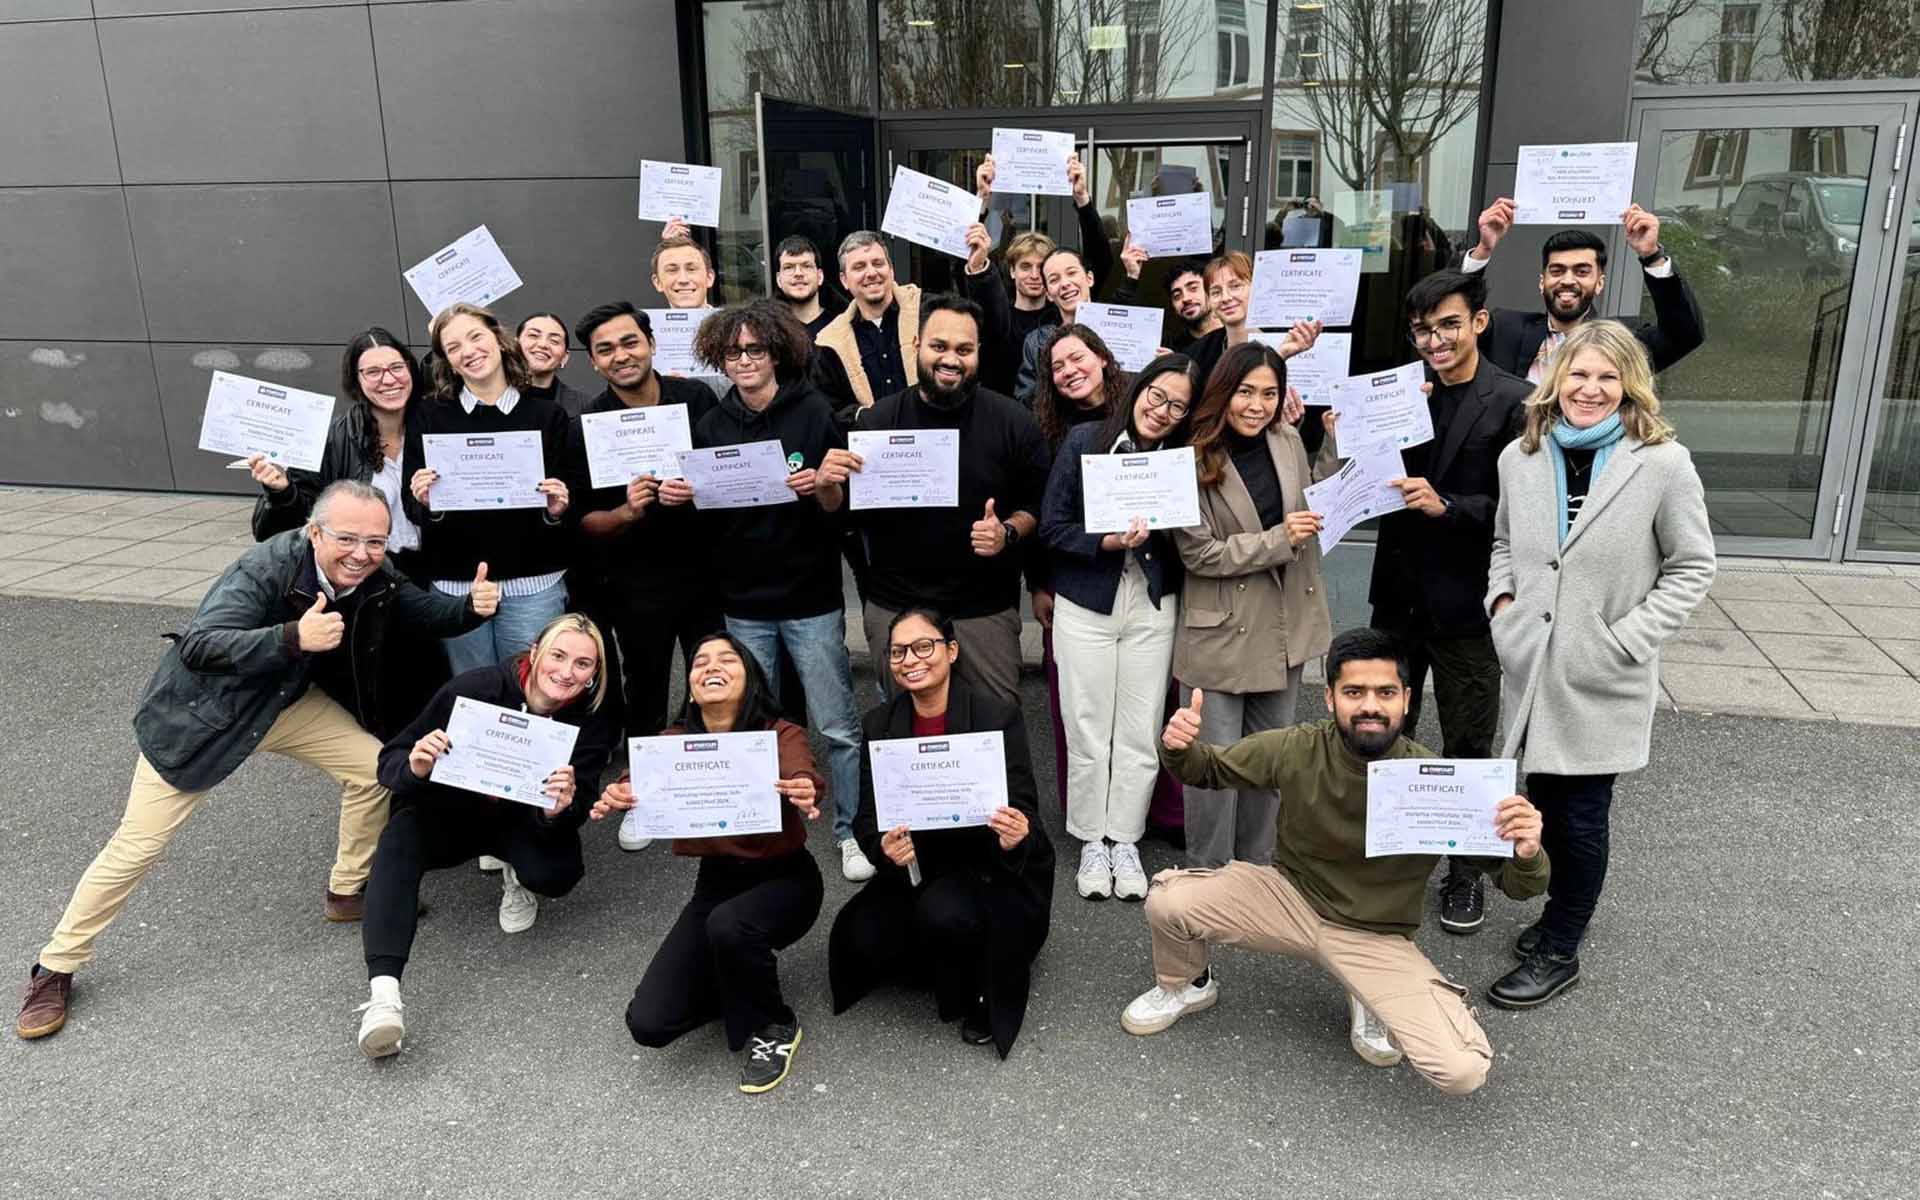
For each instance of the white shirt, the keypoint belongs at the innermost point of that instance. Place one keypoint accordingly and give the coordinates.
(404, 535)
(505, 403)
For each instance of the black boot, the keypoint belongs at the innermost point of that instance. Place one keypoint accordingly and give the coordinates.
(1463, 897)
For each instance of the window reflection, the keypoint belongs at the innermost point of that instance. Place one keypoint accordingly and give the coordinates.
(1700, 41)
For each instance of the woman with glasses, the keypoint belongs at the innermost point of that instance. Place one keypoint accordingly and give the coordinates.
(1253, 609)
(961, 911)
(1115, 600)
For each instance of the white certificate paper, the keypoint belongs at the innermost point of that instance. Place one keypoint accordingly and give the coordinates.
(1437, 806)
(1131, 331)
(671, 189)
(1304, 285)
(673, 333)
(905, 468)
(1031, 161)
(701, 785)
(1171, 226)
(1357, 492)
(1587, 184)
(1314, 373)
(246, 416)
(1159, 485)
(1384, 408)
(472, 269)
(481, 471)
(630, 442)
(750, 475)
(930, 212)
(945, 782)
(499, 752)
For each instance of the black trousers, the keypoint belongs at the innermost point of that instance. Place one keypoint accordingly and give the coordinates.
(1466, 687)
(930, 936)
(646, 628)
(719, 960)
(435, 835)
(1574, 812)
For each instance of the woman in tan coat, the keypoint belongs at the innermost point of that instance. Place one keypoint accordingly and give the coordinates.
(1252, 610)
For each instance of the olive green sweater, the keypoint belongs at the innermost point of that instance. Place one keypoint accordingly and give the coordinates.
(1322, 830)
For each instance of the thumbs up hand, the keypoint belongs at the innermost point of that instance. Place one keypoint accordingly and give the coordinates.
(485, 594)
(989, 533)
(320, 630)
(1183, 728)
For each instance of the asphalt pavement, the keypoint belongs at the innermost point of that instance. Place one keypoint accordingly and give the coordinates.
(1745, 1027)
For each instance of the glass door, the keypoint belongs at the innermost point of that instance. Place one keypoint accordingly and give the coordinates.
(1885, 516)
(817, 166)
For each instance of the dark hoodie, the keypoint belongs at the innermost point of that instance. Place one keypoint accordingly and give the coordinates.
(782, 561)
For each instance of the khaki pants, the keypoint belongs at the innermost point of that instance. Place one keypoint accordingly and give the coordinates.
(313, 730)
(1257, 907)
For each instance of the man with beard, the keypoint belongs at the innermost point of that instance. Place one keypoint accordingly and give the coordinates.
(1323, 899)
(543, 339)
(1573, 274)
(965, 561)
(799, 279)
(1187, 297)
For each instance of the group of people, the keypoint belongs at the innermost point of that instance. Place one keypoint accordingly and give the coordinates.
(1555, 535)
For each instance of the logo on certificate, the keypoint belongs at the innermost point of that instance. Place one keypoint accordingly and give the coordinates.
(931, 747)
(515, 720)
(700, 745)
(1436, 768)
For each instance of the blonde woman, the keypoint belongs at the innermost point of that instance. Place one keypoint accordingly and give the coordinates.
(1601, 549)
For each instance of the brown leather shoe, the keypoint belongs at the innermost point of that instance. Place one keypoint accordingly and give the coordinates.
(44, 1011)
(346, 908)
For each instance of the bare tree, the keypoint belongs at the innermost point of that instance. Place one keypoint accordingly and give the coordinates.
(1848, 39)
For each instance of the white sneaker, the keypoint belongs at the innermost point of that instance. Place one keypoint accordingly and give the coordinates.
(518, 906)
(853, 864)
(1154, 1010)
(381, 1029)
(1095, 876)
(629, 836)
(1369, 1036)
(489, 864)
(1129, 877)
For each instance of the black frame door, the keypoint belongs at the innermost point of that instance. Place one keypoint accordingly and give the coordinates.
(817, 179)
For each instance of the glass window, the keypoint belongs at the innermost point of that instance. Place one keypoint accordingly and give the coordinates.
(1701, 41)
(1891, 520)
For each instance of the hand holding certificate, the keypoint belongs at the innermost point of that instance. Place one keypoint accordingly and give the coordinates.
(669, 190)
(904, 468)
(496, 751)
(247, 417)
(1590, 184)
(1031, 161)
(930, 212)
(472, 269)
(1384, 408)
(1158, 486)
(1132, 332)
(481, 471)
(1438, 806)
(630, 442)
(949, 782)
(1359, 490)
(700, 785)
(1304, 285)
(1171, 226)
(750, 475)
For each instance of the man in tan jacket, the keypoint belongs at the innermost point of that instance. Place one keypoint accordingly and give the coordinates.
(867, 351)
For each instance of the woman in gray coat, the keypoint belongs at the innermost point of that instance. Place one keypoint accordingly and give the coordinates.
(1601, 550)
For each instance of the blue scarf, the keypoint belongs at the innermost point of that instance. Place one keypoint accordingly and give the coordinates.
(1600, 438)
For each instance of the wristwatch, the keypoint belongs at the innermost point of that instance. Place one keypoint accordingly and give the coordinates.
(1658, 252)
(1012, 531)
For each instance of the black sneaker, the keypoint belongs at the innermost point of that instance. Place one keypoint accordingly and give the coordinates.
(769, 1058)
(1544, 975)
(1527, 942)
(1463, 898)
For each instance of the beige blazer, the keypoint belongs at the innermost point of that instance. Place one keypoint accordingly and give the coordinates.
(838, 336)
(1252, 606)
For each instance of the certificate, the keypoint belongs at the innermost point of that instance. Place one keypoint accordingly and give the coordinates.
(472, 269)
(480, 471)
(701, 785)
(1132, 332)
(673, 333)
(670, 189)
(1159, 485)
(1384, 408)
(947, 782)
(1589, 184)
(1304, 285)
(930, 212)
(750, 475)
(905, 468)
(1171, 226)
(1358, 491)
(1314, 372)
(631, 442)
(1031, 161)
(1437, 806)
(499, 752)
(245, 416)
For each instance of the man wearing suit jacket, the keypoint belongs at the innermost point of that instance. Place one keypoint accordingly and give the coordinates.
(1573, 275)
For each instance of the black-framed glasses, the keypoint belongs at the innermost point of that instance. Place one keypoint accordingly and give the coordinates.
(754, 353)
(1159, 399)
(353, 541)
(376, 374)
(921, 647)
(1447, 331)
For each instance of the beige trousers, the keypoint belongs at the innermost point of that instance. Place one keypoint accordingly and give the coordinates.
(314, 730)
(1258, 907)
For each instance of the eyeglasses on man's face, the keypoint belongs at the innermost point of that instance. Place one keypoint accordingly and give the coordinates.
(1444, 332)
(353, 541)
(921, 647)
(752, 352)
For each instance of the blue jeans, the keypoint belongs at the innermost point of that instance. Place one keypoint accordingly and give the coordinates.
(514, 625)
(818, 647)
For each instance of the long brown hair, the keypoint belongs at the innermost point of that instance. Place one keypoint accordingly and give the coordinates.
(1053, 411)
(1639, 404)
(446, 381)
(1210, 418)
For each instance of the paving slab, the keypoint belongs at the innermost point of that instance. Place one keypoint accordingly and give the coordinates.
(1760, 585)
(1882, 622)
(1905, 651)
(148, 585)
(1707, 688)
(20, 545)
(1843, 589)
(76, 549)
(1723, 647)
(1846, 693)
(1773, 616)
(1709, 615)
(1817, 652)
(69, 580)
(15, 570)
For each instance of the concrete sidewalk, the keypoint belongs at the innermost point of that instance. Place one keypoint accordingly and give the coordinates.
(1812, 641)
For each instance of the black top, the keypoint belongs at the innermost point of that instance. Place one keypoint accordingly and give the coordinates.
(880, 350)
(1579, 481)
(823, 320)
(514, 543)
(663, 552)
(1078, 568)
(1254, 462)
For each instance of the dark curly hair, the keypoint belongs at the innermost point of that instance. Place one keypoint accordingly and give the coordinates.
(1054, 412)
(771, 321)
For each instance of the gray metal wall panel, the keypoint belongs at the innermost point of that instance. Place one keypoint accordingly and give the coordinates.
(57, 130)
(81, 412)
(44, 10)
(67, 266)
(244, 97)
(503, 89)
(147, 8)
(186, 370)
(305, 264)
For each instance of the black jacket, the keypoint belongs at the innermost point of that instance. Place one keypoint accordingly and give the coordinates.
(1018, 883)
(515, 542)
(1678, 327)
(663, 552)
(343, 457)
(1078, 568)
(225, 680)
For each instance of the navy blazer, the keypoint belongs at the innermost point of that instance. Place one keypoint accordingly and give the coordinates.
(1081, 570)
(1678, 327)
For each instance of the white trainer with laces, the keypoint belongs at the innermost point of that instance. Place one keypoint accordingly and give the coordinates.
(630, 837)
(1369, 1036)
(1154, 1010)
(489, 864)
(853, 864)
(1094, 879)
(381, 1028)
(1129, 877)
(518, 906)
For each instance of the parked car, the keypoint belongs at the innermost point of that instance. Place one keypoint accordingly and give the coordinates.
(1799, 223)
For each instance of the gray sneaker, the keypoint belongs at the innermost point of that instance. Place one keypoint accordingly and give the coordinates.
(518, 906)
